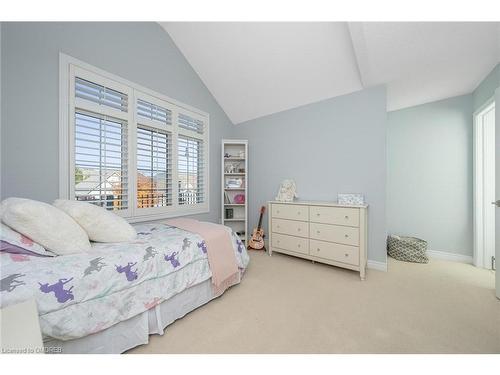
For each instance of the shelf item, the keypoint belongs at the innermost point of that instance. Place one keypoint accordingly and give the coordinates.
(233, 166)
(234, 182)
(234, 193)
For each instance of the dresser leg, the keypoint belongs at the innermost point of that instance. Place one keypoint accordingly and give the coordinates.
(362, 274)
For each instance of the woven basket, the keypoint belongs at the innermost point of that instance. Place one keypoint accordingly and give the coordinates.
(407, 249)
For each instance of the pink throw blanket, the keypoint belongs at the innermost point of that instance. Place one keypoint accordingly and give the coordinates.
(221, 257)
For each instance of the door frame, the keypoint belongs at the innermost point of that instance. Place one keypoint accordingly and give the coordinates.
(478, 187)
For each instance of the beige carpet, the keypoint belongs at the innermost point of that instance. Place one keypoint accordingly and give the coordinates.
(289, 305)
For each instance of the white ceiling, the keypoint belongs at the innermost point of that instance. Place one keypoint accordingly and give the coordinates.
(256, 69)
(421, 62)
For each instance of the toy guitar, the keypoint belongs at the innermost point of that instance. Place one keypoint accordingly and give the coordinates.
(257, 240)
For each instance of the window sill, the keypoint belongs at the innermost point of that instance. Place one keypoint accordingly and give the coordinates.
(167, 215)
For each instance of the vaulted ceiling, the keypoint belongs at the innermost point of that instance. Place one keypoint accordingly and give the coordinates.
(256, 69)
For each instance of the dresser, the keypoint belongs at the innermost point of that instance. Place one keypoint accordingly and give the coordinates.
(320, 231)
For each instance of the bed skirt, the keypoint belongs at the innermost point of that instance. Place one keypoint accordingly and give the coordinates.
(135, 331)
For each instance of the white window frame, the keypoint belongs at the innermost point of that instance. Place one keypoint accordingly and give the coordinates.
(70, 67)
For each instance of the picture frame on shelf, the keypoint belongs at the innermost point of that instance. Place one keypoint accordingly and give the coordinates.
(234, 183)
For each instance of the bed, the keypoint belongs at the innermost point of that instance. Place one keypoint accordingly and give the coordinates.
(112, 298)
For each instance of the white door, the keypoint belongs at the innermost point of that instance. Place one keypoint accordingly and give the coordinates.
(484, 186)
(497, 186)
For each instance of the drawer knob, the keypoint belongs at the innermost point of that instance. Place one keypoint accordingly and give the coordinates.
(346, 236)
(278, 241)
(298, 229)
(298, 212)
(318, 232)
(278, 211)
(346, 254)
(317, 214)
(317, 249)
(298, 245)
(347, 217)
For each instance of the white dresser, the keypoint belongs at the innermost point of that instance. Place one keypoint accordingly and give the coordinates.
(320, 231)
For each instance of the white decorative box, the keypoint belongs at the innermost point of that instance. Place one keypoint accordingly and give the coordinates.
(351, 199)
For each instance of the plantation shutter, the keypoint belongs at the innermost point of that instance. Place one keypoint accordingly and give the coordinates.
(190, 123)
(191, 160)
(154, 168)
(154, 155)
(100, 145)
(154, 112)
(101, 160)
(132, 150)
(101, 95)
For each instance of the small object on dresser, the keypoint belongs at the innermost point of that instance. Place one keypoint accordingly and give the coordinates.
(287, 191)
(226, 155)
(351, 199)
(229, 213)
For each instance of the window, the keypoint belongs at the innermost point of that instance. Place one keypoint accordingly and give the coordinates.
(154, 168)
(129, 149)
(190, 170)
(100, 160)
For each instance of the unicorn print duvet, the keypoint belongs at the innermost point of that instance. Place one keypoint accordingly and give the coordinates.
(81, 294)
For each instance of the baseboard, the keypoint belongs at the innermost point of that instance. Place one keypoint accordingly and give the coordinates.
(443, 255)
(379, 266)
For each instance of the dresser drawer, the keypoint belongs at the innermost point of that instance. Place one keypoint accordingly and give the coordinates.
(335, 252)
(290, 211)
(292, 243)
(291, 227)
(335, 233)
(334, 215)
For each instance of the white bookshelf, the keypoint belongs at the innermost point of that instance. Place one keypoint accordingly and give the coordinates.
(234, 183)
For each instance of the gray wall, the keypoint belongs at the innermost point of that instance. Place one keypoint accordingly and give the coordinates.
(486, 88)
(140, 52)
(333, 146)
(429, 173)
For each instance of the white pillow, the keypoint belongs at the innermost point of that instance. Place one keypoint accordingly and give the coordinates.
(100, 224)
(46, 225)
